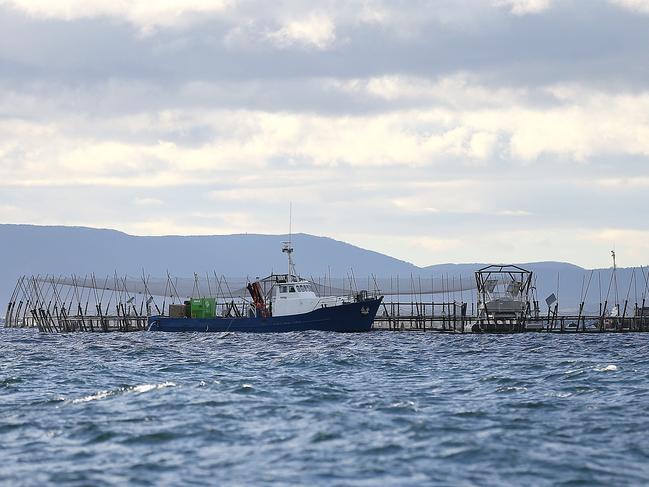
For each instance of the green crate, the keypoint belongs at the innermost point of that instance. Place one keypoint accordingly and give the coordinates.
(203, 307)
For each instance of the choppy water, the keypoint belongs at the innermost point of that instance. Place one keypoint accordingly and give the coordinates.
(382, 408)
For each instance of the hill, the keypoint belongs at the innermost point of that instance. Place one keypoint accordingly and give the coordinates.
(30, 249)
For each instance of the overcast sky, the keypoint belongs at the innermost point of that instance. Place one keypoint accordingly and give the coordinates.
(433, 131)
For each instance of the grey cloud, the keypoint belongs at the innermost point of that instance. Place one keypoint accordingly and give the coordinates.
(103, 66)
(574, 40)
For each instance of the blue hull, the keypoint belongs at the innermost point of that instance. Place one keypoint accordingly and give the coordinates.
(352, 317)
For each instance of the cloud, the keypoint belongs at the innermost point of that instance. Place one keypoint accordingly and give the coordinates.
(158, 147)
(317, 31)
(457, 90)
(148, 201)
(623, 183)
(524, 7)
(142, 13)
(641, 6)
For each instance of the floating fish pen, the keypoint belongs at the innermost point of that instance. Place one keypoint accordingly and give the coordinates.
(496, 299)
(450, 318)
(70, 304)
(507, 303)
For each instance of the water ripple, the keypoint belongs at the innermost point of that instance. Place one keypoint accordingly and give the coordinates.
(315, 408)
(139, 389)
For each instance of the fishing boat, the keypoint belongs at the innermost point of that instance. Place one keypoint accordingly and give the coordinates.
(282, 303)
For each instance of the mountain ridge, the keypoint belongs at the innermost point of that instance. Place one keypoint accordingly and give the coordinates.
(59, 249)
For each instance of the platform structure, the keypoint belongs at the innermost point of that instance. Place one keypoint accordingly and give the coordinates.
(505, 298)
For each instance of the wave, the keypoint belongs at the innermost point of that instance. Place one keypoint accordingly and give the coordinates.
(139, 389)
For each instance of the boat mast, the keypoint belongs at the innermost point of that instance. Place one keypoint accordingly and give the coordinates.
(617, 298)
(287, 245)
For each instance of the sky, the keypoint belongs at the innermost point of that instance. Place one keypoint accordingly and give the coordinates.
(433, 131)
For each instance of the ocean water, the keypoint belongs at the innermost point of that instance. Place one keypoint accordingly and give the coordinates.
(380, 408)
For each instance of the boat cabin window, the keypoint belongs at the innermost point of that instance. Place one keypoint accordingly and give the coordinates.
(300, 288)
(303, 288)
